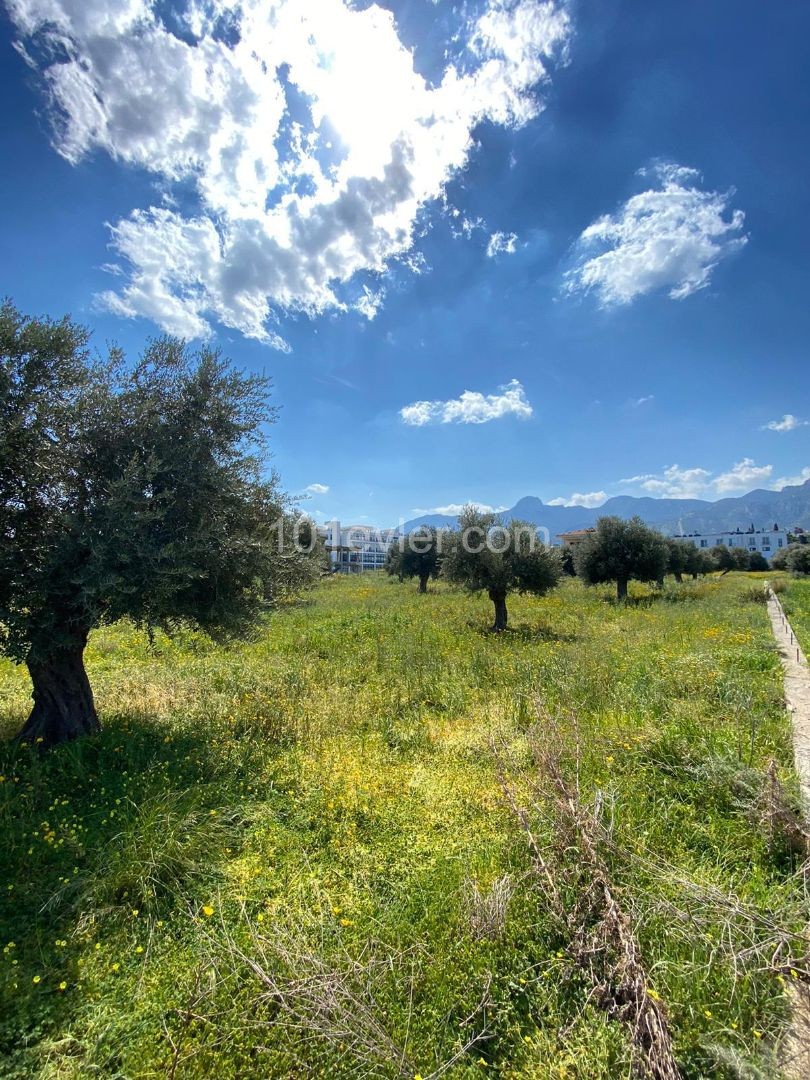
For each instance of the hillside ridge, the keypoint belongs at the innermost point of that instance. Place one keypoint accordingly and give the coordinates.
(760, 507)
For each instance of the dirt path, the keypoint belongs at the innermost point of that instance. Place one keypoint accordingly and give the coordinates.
(795, 1052)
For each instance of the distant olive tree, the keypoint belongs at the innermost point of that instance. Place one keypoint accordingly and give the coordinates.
(621, 551)
(485, 555)
(779, 558)
(729, 558)
(678, 556)
(698, 561)
(129, 491)
(798, 559)
(757, 562)
(416, 554)
(567, 561)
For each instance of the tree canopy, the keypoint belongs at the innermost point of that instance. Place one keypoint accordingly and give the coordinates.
(416, 554)
(621, 551)
(678, 557)
(483, 554)
(127, 492)
(698, 561)
(798, 558)
(729, 558)
(779, 558)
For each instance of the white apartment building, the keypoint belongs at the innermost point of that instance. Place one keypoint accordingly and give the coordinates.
(764, 541)
(353, 549)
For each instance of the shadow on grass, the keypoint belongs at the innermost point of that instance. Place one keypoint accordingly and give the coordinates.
(112, 832)
(644, 600)
(523, 633)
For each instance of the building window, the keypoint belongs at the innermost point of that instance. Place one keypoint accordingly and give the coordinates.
(779, 542)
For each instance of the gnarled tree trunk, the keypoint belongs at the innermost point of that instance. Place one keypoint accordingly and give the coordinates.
(501, 615)
(679, 578)
(621, 589)
(423, 580)
(63, 700)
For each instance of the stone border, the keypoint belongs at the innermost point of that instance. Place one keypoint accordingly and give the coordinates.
(794, 1053)
(797, 690)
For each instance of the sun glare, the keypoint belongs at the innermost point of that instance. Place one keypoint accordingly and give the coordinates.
(368, 89)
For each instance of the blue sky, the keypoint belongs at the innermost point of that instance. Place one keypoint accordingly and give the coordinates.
(484, 249)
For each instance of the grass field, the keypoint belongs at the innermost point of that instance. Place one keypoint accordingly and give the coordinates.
(796, 602)
(297, 857)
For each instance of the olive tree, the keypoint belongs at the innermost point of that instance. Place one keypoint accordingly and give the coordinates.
(780, 557)
(416, 554)
(678, 557)
(128, 491)
(485, 555)
(621, 551)
(798, 559)
(729, 558)
(698, 561)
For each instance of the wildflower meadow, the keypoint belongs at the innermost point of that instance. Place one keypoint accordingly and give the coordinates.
(321, 852)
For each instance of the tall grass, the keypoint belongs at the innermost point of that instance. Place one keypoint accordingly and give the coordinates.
(796, 602)
(294, 857)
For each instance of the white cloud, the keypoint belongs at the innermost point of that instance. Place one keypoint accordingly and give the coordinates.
(669, 237)
(501, 244)
(638, 402)
(788, 423)
(696, 483)
(454, 509)
(370, 302)
(317, 489)
(673, 483)
(792, 481)
(589, 499)
(743, 476)
(284, 209)
(471, 407)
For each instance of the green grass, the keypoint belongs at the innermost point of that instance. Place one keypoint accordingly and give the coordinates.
(796, 602)
(264, 865)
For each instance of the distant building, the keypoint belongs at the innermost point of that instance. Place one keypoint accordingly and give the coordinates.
(352, 549)
(575, 537)
(764, 541)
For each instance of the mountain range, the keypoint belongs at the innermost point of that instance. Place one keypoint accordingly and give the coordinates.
(786, 508)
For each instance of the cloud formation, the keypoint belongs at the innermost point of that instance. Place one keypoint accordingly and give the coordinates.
(454, 509)
(671, 237)
(589, 499)
(317, 489)
(788, 423)
(471, 407)
(295, 144)
(696, 483)
(501, 244)
(793, 481)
